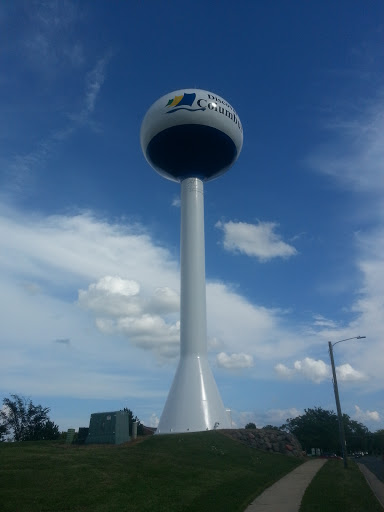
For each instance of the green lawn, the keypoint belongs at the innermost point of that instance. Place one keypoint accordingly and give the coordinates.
(199, 472)
(335, 489)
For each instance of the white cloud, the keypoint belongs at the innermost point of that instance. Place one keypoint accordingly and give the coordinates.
(47, 42)
(154, 420)
(95, 80)
(176, 202)
(355, 158)
(239, 360)
(355, 154)
(346, 373)
(75, 249)
(318, 371)
(132, 303)
(275, 417)
(164, 301)
(320, 321)
(116, 285)
(238, 325)
(119, 308)
(363, 416)
(103, 299)
(368, 314)
(312, 369)
(20, 167)
(127, 303)
(255, 240)
(284, 371)
(93, 83)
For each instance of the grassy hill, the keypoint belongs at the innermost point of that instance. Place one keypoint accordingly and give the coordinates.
(335, 489)
(204, 471)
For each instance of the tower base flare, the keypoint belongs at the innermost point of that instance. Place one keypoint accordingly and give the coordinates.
(194, 403)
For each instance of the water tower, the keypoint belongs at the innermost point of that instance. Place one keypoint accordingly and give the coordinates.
(191, 136)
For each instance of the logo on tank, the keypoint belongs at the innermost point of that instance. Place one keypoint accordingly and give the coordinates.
(183, 102)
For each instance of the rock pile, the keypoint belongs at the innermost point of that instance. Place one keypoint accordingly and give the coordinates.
(276, 441)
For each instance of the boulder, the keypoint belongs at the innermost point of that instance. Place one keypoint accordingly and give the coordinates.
(276, 441)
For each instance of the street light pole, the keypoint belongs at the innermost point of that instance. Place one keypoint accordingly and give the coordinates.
(338, 407)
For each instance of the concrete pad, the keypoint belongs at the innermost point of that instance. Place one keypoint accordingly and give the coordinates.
(286, 494)
(374, 483)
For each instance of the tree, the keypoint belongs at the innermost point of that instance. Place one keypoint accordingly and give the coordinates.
(319, 428)
(131, 419)
(43, 431)
(3, 430)
(378, 441)
(27, 422)
(316, 428)
(250, 425)
(356, 435)
(271, 427)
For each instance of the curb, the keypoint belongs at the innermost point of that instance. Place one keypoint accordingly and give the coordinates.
(374, 483)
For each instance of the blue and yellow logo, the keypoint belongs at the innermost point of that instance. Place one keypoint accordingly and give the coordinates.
(183, 102)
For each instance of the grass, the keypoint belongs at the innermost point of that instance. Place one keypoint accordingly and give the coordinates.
(335, 489)
(194, 472)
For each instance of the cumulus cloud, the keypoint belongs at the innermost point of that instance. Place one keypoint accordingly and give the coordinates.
(363, 416)
(115, 285)
(231, 361)
(312, 369)
(318, 371)
(127, 295)
(164, 301)
(346, 373)
(133, 303)
(119, 308)
(255, 240)
(113, 296)
(284, 371)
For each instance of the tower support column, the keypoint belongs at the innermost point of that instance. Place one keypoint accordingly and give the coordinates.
(194, 403)
(193, 321)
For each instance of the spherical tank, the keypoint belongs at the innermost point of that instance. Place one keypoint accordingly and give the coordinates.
(191, 133)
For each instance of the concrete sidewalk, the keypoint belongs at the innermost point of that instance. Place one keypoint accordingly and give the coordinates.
(286, 494)
(374, 483)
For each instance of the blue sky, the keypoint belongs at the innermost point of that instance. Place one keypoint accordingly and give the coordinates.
(89, 254)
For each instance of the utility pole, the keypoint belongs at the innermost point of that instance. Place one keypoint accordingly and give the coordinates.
(338, 407)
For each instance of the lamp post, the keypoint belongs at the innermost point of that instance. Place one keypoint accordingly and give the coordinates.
(336, 390)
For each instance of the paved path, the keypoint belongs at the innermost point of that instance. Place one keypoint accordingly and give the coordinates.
(286, 494)
(374, 483)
